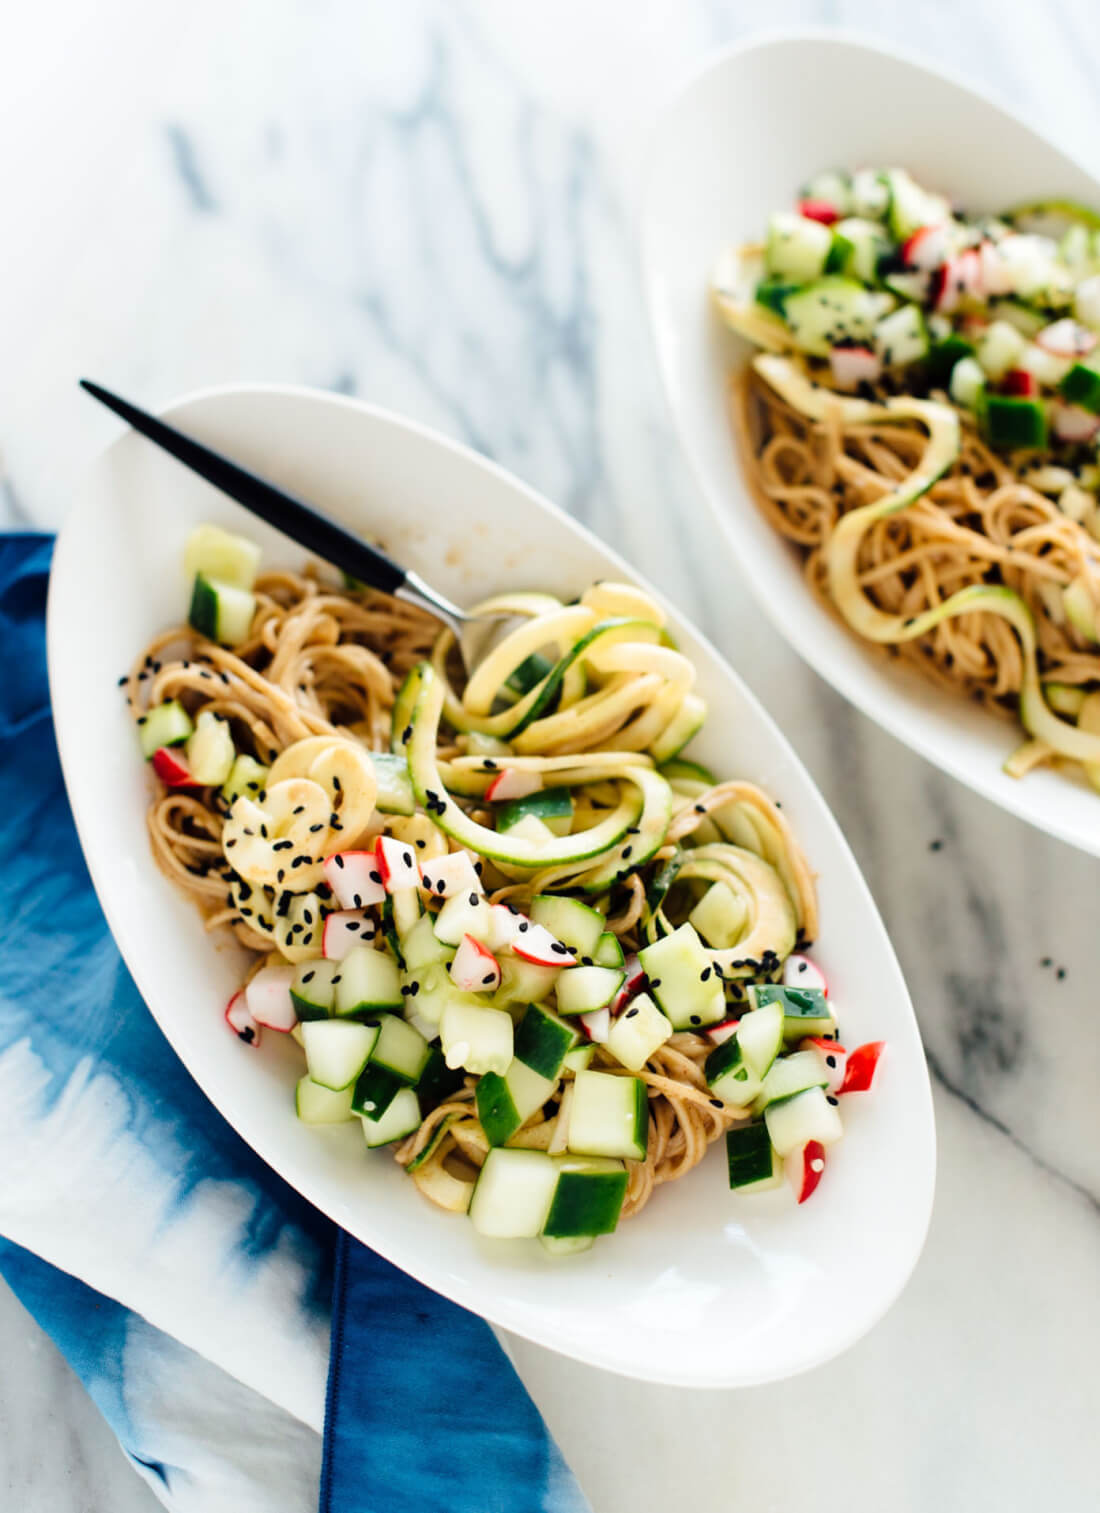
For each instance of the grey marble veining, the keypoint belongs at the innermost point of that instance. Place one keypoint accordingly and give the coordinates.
(432, 205)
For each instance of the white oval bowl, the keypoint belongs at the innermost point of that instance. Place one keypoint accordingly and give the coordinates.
(703, 1289)
(735, 145)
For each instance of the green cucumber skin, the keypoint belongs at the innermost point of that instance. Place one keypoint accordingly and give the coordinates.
(306, 1010)
(403, 706)
(586, 1203)
(551, 689)
(437, 1081)
(543, 1041)
(608, 952)
(203, 614)
(748, 1154)
(375, 1085)
(496, 1111)
(547, 804)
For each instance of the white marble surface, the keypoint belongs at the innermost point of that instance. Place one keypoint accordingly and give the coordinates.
(431, 205)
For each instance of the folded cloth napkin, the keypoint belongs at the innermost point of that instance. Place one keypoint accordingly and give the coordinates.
(189, 1287)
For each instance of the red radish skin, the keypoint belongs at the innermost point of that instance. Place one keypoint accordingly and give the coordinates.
(474, 969)
(355, 879)
(241, 1022)
(860, 1071)
(819, 210)
(171, 768)
(854, 365)
(345, 929)
(537, 945)
(720, 1033)
(596, 1025)
(801, 972)
(833, 1056)
(633, 983)
(1020, 384)
(926, 249)
(1066, 338)
(267, 995)
(805, 1169)
(397, 864)
(513, 784)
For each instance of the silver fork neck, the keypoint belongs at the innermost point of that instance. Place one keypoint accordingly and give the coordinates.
(415, 591)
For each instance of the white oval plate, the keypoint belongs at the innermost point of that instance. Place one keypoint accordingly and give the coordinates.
(736, 144)
(702, 1289)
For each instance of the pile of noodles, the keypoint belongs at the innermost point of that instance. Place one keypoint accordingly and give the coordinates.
(981, 523)
(322, 661)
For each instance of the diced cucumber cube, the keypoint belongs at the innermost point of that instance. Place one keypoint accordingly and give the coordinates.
(395, 790)
(221, 612)
(772, 292)
(788, 1075)
(553, 806)
(368, 982)
(729, 1076)
(578, 1059)
(168, 724)
(831, 311)
(246, 776)
(312, 991)
(760, 1035)
(683, 981)
(505, 1103)
(753, 1163)
(374, 1091)
(901, 337)
(337, 1050)
(542, 1041)
(222, 555)
(967, 385)
(840, 253)
(403, 911)
(437, 1081)
(797, 247)
(555, 1245)
(637, 1032)
(1000, 348)
(588, 1197)
(584, 989)
(479, 1039)
(610, 1116)
(806, 1011)
(421, 947)
(568, 920)
(1081, 386)
(525, 981)
(465, 914)
(1010, 424)
(944, 354)
(513, 1194)
(400, 1119)
(400, 1049)
(867, 242)
(608, 952)
(719, 916)
(321, 1105)
(805, 1116)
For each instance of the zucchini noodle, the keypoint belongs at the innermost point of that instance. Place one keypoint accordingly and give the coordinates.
(593, 698)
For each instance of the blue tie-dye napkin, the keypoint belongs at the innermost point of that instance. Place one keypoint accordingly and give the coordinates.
(190, 1288)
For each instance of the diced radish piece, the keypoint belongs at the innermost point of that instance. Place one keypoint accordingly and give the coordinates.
(448, 876)
(994, 275)
(513, 784)
(927, 248)
(1073, 422)
(354, 879)
(596, 1025)
(834, 1056)
(504, 926)
(633, 983)
(1020, 383)
(1066, 338)
(268, 998)
(818, 210)
(956, 278)
(801, 972)
(720, 1033)
(535, 943)
(854, 365)
(345, 929)
(171, 768)
(862, 1062)
(804, 1168)
(241, 1022)
(397, 864)
(475, 969)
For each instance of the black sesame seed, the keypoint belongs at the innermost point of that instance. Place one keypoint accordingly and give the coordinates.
(122, 682)
(229, 844)
(488, 764)
(406, 734)
(654, 982)
(704, 974)
(936, 845)
(421, 844)
(376, 877)
(301, 809)
(473, 900)
(627, 851)
(404, 990)
(283, 846)
(1060, 974)
(414, 989)
(489, 977)
(695, 1019)
(700, 809)
(557, 947)
(335, 979)
(308, 976)
(830, 1061)
(1046, 962)
(335, 784)
(313, 829)
(630, 1013)
(524, 925)
(832, 1100)
(717, 1103)
(586, 961)
(281, 874)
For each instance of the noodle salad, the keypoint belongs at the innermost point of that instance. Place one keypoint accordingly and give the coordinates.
(923, 423)
(518, 936)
